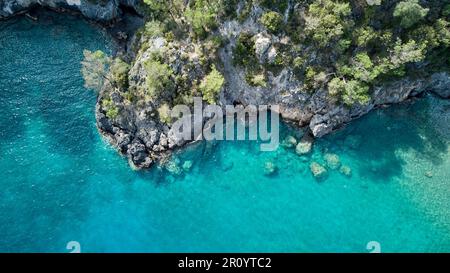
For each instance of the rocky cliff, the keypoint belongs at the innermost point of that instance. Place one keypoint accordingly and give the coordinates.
(139, 133)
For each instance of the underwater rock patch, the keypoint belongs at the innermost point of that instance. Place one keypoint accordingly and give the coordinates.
(187, 165)
(318, 170)
(332, 160)
(289, 142)
(345, 170)
(269, 168)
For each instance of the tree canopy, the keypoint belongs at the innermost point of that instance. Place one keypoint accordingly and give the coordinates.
(94, 69)
(211, 85)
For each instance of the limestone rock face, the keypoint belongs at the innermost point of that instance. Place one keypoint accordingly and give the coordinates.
(439, 84)
(315, 109)
(333, 116)
(262, 44)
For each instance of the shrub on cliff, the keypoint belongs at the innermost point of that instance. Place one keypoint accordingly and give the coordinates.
(164, 113)
(272, 21)
(119, 71)
(257, 80)
(211, 85)
(159, 78)
(172, 8)
(153, 29)
(111, 110)
(355, 92)
(442, 28)
(349, 92)
(244, 51)
(202, 16)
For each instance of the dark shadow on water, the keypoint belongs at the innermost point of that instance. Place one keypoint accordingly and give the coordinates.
(70, 129)
(11, 125)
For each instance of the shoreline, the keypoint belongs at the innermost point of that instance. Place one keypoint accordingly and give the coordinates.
(141, 155)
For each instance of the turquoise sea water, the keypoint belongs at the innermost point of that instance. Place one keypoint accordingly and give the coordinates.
(61, 182)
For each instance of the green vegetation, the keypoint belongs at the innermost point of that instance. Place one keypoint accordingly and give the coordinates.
(327, 20)
(119, 71)
(350, 92)
(164, 113)
(257, 80)
(202, 16)
(446, 11)
(409, 12)
(173, 8)
(244, 51)
(159, 78)
(112, 111)
(94, 69)
(153, 29)
(272, 20)
(211, 85)
(278, 5)
(347, 47)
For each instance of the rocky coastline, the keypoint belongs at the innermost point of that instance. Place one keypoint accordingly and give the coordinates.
(139, 134)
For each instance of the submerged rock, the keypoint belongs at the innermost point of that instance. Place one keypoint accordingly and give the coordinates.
(305, 145)
(333, 161)
(227, 165)
(173, 168)
(345, 170)
(269, 168)
(353, 141)
(429, 174)
(187, 165)
(289, 142)
(318, 170)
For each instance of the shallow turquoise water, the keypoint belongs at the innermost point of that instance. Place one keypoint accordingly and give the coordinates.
(61, 182)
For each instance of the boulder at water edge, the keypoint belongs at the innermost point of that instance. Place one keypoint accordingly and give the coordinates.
(305, 145)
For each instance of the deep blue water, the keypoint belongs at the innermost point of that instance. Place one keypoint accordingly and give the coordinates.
(61, 182)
